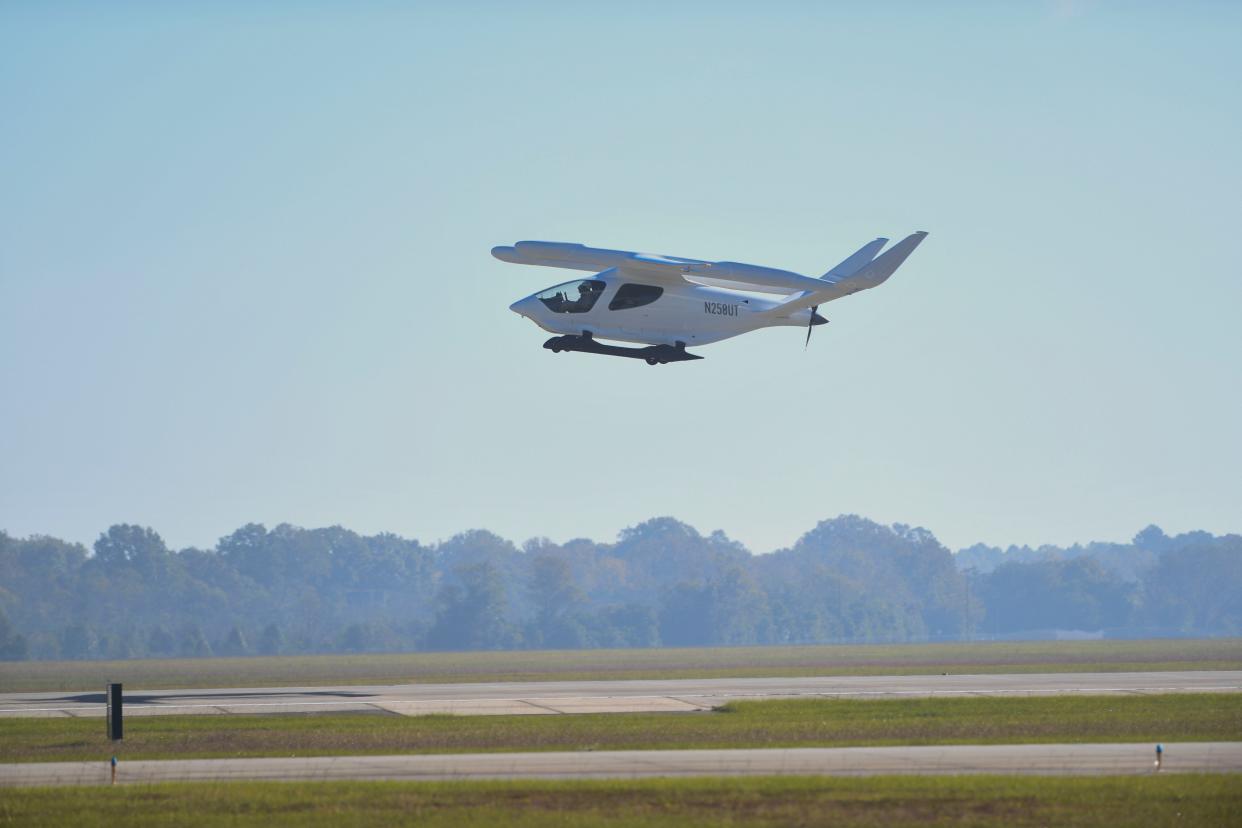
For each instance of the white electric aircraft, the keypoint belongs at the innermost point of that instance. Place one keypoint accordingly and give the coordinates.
(667, 303)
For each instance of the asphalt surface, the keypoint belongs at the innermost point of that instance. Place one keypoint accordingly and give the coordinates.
(1060, 760)
(605, 696)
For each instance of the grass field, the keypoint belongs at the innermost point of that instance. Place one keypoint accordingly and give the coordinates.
(792, 723)
(1183, 800)
(706, 662)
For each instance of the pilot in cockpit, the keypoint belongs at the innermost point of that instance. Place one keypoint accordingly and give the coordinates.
(586, 296)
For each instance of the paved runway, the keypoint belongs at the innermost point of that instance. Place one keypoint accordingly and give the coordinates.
(1214, 757)
(605, 696)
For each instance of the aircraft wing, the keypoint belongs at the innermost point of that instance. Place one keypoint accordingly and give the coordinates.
(594, 259)
(733, 275)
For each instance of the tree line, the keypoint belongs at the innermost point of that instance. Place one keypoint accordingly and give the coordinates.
(661, 583)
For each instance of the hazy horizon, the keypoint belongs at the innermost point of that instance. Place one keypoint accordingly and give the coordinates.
(702, 531)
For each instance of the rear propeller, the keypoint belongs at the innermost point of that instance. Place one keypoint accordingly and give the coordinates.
(815, 319)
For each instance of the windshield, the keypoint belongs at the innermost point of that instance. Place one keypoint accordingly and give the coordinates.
(572, 297)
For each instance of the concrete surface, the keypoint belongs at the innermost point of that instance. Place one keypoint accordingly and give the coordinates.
(535, 698)
(1212, 757)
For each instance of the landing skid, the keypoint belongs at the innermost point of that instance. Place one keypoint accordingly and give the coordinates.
(653, 354)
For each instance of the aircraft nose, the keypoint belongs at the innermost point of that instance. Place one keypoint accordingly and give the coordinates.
(521, 307)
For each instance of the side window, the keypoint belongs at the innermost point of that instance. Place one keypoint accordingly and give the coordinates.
(634, 296)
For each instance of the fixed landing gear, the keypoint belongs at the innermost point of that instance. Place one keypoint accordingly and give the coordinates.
(652, 354)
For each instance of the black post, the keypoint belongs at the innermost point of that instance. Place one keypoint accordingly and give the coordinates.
(114, 712)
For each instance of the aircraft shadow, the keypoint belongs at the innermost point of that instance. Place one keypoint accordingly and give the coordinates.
(157, 698)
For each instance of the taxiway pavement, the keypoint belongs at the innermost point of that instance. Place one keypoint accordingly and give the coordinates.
(1089, 759)
(664, 695)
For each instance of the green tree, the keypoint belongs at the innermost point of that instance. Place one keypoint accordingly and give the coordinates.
(13, 645)
(136, 547)
(472, 612)
(271, 640)
(234, 643)
(686, 616)
(739, 608)
(192, 641)
(77, 641)
(160, 642)
(557, 600)
(1075, 594)
(1197, 588)
(626, 625)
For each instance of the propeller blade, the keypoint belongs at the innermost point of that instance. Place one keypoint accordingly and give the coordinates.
(809, 325)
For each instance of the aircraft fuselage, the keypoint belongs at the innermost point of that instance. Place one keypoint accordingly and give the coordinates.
(619, 307)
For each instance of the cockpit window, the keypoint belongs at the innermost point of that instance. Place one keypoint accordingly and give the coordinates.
(634, 296)
(572, 297)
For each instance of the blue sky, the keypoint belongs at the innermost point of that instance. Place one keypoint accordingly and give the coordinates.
(244, 270)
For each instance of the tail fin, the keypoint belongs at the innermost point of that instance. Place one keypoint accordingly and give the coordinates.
(855, 262)
(876, 272)
(873, 273)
